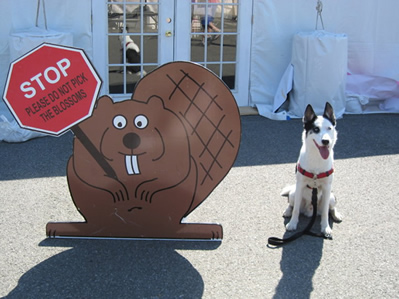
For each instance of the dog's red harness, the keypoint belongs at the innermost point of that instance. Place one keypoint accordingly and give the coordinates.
(277, 241)
(312, 175)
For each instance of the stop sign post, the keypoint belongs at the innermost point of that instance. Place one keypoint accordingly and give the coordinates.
(51, 88)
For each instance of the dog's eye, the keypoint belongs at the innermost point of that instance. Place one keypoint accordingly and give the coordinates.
(140, 122)
(329, 128)
(316, 130)
(119, 122)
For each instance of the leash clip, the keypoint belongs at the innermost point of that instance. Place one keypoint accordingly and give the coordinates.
(315, 180)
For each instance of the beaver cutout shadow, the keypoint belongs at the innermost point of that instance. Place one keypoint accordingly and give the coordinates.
(141, 165)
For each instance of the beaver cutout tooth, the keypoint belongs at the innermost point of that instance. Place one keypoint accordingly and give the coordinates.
(132, 166)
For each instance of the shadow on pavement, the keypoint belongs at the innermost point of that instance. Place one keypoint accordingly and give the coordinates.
(299, 264)
(93, 268)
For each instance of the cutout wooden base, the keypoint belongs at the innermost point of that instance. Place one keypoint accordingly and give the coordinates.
(182, 231)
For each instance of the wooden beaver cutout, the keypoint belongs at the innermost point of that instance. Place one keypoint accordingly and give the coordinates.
(141, 165)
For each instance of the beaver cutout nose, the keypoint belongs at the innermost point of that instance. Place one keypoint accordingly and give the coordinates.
(131, 140)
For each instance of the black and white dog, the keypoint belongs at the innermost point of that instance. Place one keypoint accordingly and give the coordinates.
(314, 170)
(133, 56)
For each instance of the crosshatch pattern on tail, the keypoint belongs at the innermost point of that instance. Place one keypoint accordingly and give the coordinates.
(206, 130)
(208, 110)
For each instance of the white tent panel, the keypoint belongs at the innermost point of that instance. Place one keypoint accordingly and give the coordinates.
(320, 61)
(372, 28)
(72, 16)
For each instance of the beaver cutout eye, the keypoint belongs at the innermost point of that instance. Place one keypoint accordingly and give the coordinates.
(140, 121)
(316, 130)
(119, 122)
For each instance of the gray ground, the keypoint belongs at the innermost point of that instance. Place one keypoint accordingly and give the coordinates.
(360, 262)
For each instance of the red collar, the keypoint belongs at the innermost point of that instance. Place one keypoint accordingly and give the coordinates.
(127, 44)
(313, 176)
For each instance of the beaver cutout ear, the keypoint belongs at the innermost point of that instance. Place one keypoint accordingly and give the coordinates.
(155, 100)
(104, 101)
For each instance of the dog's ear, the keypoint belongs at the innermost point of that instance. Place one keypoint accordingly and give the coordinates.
(309, 115)
(329, 113)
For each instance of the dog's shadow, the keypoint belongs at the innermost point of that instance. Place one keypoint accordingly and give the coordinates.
(114, 269)
(299, 261)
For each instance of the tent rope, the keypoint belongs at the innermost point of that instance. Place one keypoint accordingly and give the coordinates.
(44, 14)
(319, 8)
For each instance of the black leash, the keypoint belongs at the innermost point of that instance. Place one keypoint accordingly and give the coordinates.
(279, 242)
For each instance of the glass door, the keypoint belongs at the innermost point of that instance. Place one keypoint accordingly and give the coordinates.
(214, 37)
(133, 39)
(141, 35)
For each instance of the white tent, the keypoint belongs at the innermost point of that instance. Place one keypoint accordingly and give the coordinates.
(372, 29)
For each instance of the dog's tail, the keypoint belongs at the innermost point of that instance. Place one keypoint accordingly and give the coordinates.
(286, 190)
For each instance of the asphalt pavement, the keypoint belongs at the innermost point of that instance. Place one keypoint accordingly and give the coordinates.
(360, 262)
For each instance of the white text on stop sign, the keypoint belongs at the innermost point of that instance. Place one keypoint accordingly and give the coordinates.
(52, 75)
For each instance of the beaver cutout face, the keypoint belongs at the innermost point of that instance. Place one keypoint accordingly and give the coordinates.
(141, 165)
(136, 134)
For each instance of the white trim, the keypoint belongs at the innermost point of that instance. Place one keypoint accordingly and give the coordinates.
(100, 48)
(182, 41)
(241, 93)
(165, 43)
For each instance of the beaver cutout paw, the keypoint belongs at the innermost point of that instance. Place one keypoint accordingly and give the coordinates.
(141, 165)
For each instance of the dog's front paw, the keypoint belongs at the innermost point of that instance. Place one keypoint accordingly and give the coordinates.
(291, 225)
(336, 216)
(326, 229)
(288, 212)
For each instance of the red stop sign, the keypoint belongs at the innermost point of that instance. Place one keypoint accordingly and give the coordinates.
(51, 88)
